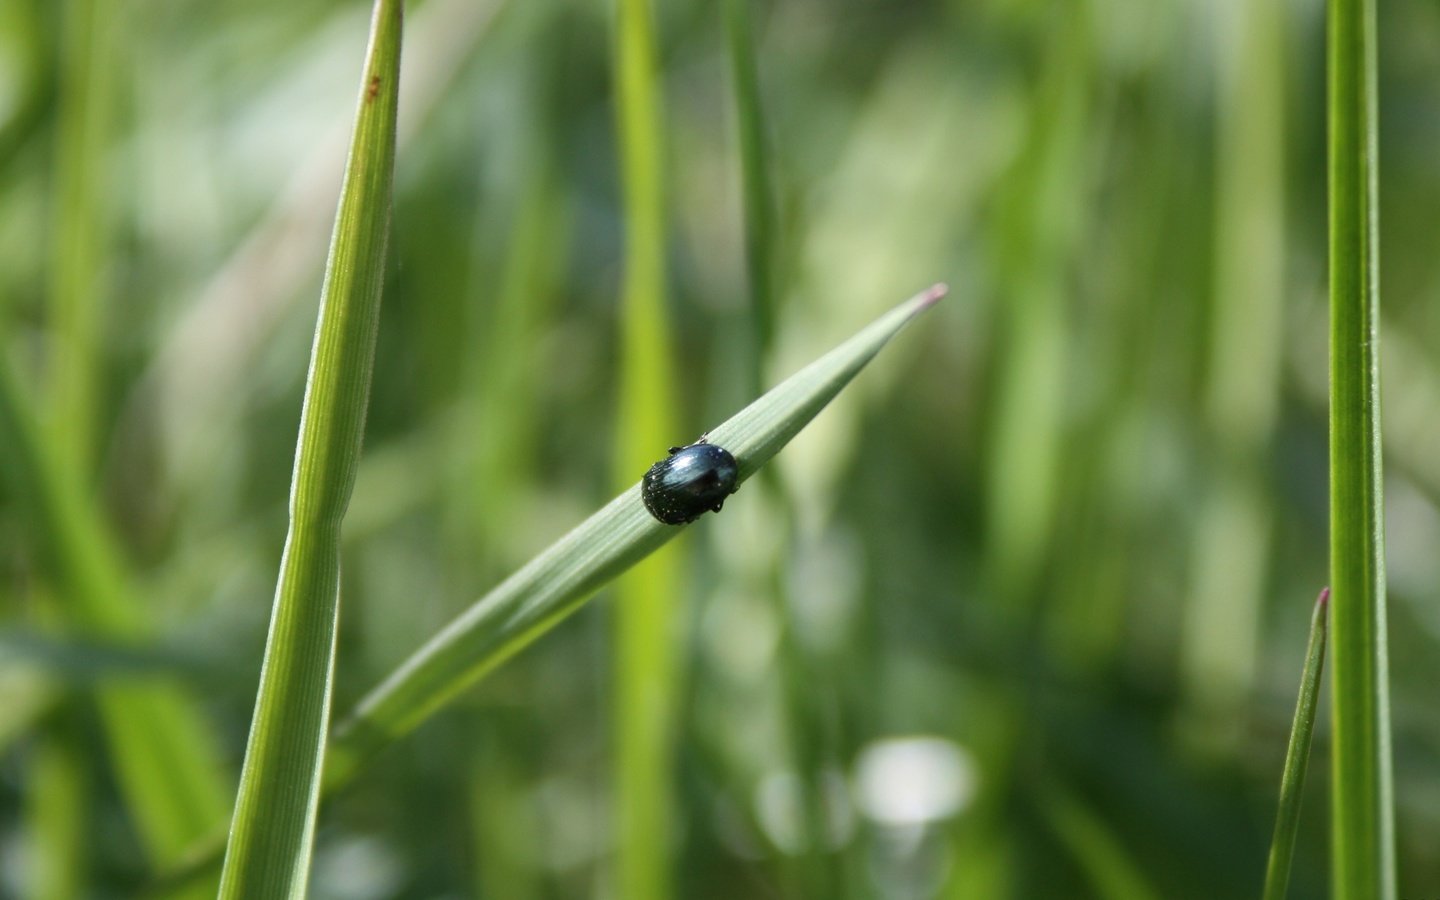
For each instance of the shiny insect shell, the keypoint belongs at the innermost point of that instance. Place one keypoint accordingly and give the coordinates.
(691, 480)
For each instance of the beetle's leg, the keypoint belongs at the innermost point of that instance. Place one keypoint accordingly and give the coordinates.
(718, 504)
(675, 450)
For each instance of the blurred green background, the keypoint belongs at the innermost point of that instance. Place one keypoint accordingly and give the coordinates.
(1021, 615)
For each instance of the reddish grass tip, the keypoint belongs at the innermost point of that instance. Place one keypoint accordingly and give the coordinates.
(1324, 598)
(935, 292)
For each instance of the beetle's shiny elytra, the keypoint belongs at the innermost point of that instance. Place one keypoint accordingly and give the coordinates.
(691, 480)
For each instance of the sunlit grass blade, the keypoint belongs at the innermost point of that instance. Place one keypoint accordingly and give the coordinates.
(555, 583)
(165, 761)
(1363, 806)
(646, 596)
(1297, 754)
(271, 834)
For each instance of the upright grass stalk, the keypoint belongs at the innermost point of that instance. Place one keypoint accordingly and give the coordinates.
(85, 104)
(1229, 562)
(1363, 812)
(271, 835)
(1036, 235)
(1297, 754)
(812, 873)
(645, 639)
(78, 261)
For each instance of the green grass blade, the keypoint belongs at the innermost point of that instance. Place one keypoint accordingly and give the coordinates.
(270, 837)
(1297, 754)
(1363, 814)
(555, 583)
(645, 596)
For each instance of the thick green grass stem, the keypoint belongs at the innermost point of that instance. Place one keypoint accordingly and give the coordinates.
(1297, 754)
(1363, 812)
(646, 597)
(271, 835)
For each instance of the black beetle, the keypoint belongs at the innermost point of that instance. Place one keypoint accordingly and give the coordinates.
(681, 487)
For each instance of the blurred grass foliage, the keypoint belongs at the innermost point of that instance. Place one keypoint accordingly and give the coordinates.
(1072, 531)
